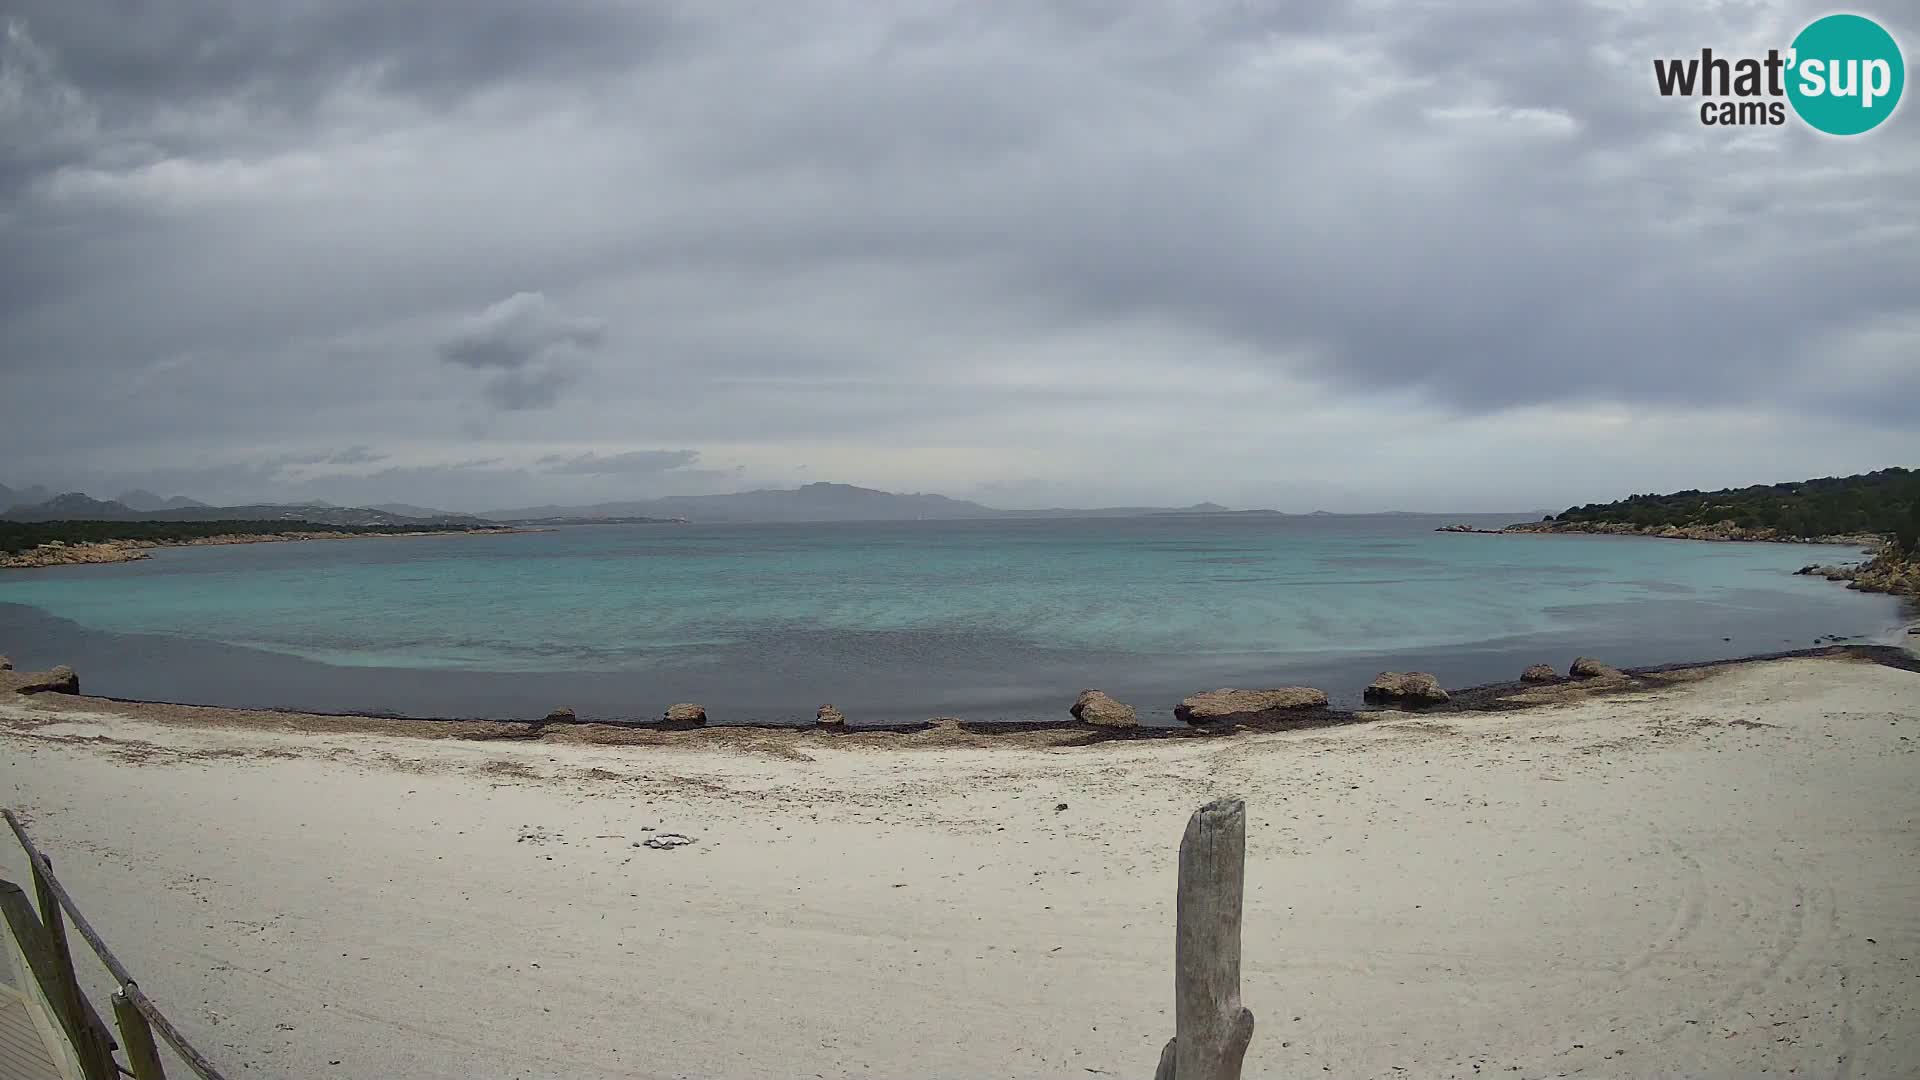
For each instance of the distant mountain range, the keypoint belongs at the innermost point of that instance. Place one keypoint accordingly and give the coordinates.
(811, 502)
(138, 499)
(821, 502)
(27, 496)
(75, 506)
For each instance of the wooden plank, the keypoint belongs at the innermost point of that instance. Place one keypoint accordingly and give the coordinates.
(23, 1049)
(138, 1039)
(35, 1045)
(65, 987)
(85, 1035)
(1211, 1027)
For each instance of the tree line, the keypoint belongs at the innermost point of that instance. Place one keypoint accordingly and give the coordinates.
(18, 536)
(1886, 502)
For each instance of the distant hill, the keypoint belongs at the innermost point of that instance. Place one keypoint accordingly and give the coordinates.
(1886, 502)
(26, 496)
(824, 502)
(405, 510)
(812, 502)
(838, 502)
(142, 500)
(75, 506)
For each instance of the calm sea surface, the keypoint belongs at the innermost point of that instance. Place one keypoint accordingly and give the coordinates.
(985, 620)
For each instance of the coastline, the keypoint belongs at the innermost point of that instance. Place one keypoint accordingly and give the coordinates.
(1724, 532)
(58, 553)
(1880, 572)
(1709, 877)
(33, 690)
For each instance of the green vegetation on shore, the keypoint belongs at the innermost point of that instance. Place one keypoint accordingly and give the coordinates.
(16, 536)
(1886, 503)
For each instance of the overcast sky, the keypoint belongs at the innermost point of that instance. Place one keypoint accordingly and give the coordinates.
(1353, 256)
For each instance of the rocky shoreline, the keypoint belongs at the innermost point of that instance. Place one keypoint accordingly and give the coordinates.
(1095, 716)
(1883, 572)
(61, 553)
(1720, 532)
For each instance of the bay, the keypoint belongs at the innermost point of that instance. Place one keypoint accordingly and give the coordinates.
(988, 620)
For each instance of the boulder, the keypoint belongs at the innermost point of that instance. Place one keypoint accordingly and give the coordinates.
(1096, 708)
(60, 680)
(686, 713)
(829, 716)
(1404, 688)
(1539, 673)
(1586, 667)
(561, 715)
(1227, 704)
(5, 664)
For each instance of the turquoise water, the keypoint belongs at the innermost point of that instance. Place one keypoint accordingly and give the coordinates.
(953, 613)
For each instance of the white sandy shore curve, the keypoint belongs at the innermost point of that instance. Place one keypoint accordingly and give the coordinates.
(1716, 879)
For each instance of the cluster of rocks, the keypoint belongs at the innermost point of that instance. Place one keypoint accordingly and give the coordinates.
(1584, 667)
(1223, 707)
(60, 553)
(1722, 531)
(1886, 572)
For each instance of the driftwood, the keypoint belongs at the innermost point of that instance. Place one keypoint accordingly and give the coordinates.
(1211, 1027)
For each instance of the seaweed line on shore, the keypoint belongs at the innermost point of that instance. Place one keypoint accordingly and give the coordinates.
(47, 707)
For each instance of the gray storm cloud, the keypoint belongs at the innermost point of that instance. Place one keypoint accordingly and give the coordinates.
(529, 346)
(1348, 255)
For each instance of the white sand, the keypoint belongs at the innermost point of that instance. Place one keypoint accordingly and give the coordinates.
(1617, 887)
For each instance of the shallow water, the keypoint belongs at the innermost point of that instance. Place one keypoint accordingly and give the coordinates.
(994, 620)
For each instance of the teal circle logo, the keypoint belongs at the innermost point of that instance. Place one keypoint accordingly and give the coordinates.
(1845, 74)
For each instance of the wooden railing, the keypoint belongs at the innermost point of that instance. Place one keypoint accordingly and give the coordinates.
(1211, 1028)
(42, 938)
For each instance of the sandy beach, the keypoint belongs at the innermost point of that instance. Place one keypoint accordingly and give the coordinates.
(1719, 877)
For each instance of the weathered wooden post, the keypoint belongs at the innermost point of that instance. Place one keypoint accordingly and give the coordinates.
(137, 1037)
(1211, 1027)
(66, 990)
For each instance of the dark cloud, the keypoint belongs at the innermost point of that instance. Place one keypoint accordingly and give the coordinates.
(933, 246)
(124, 71)
(528, 344)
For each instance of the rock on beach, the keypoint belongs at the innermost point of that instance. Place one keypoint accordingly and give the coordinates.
(61, 680)
(1214, 706)
(1404, 688)
(1539, 673)
(1096, 708)
(686, 713)
(1586, 667)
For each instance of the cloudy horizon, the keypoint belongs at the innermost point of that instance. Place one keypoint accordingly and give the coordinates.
(1366, 256)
